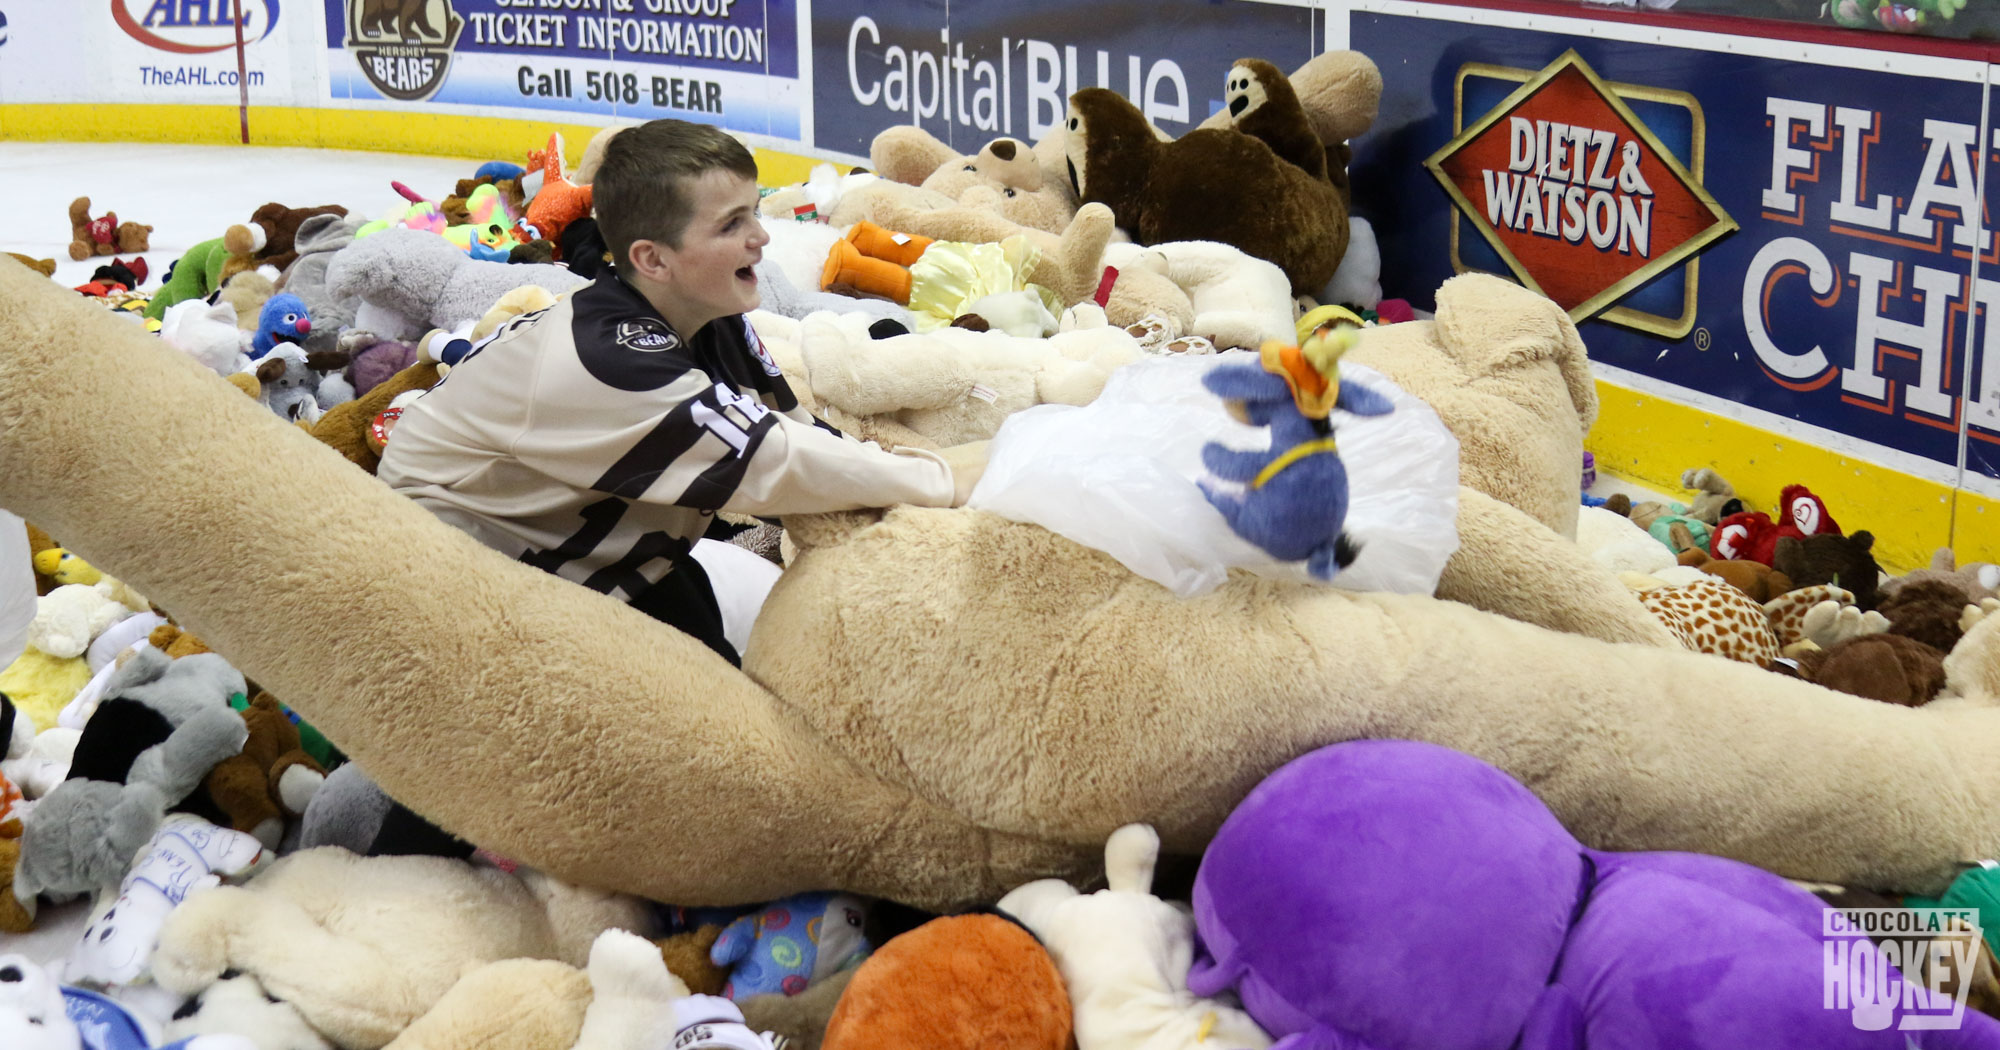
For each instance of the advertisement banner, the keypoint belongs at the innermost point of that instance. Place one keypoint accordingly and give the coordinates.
(732, 63)
(157, 51)
(1009, 69)
(1789, 243)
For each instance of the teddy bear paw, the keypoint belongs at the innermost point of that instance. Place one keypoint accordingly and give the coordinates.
(1972, 614)
(1830, 623)
(1153, 332)
(1083, 315)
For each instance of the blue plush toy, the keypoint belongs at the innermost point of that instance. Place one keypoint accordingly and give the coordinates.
(499, 169)
(1296, 491)
(786, 945)
(282, 320)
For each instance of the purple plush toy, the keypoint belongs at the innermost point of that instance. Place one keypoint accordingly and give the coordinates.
(1390, 895)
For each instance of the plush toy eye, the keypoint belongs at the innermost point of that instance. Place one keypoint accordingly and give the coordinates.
(1010, 191)
(291, 318)
(1072, 123)
(968, 167)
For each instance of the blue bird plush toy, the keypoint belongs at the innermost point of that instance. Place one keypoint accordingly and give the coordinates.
(282, 320)
(1295, 496)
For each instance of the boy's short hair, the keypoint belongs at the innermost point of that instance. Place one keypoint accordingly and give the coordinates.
(640, 190)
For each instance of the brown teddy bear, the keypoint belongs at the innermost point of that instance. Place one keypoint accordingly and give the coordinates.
(175, 642)
(1886, 667)
(1168, 191)
(1761, 582)
(453, 207)
(268, 238)
(271, 779)
(104, 235)
(356, 429)
(1929, 611)
(1843, 561)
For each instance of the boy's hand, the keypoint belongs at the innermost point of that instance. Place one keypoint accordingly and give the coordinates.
(967, 463)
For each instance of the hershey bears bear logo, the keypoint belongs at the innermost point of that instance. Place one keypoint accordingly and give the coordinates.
(403, 46)
(646, 337)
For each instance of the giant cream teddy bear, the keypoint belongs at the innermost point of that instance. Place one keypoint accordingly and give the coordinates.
(937, 705)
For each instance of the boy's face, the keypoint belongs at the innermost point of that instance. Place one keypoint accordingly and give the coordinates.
(710, 273)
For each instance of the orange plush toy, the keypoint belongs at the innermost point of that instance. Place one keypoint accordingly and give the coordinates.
(968, 982)
(874, 261)
(559, 202)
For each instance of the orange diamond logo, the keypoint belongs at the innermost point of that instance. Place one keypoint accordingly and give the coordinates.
(1575, 192)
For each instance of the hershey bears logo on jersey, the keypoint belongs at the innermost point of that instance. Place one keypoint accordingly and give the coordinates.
(646, 337)
(757, 347)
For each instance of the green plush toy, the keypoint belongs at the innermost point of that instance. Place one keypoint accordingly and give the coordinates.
(198, 273)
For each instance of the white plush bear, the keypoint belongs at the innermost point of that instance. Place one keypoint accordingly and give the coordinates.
(1125, 955)
(1239, 301)
(361, 947)
(1619, 544)
(950, 386)
(69, 617)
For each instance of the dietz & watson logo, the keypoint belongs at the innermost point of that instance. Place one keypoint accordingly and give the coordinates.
(403, 46)
(1575, 193)
(193, 27)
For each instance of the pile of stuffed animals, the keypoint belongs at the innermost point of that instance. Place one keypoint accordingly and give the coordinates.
(248, 885)
(1796, 595)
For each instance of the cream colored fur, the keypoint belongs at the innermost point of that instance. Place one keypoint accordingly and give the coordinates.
(361, 947)
(1506, 371)
(941, 705)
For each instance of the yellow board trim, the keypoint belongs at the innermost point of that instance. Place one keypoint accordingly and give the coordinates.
(1651, 440)
(430, 134)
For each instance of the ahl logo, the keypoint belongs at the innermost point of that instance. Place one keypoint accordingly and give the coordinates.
(193, 27)
(1576, 194)
(403, 46)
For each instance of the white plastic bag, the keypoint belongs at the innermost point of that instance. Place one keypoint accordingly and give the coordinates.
(17, 590)
(1119, 475)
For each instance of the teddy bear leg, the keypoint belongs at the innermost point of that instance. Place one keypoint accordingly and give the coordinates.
(871, 377)
(515, 1004)
(1075, 268)
(1513, 565)
(240, 789)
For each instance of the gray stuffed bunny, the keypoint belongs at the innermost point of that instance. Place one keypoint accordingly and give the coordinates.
(163, 724)
(316, 241)
(410, 281)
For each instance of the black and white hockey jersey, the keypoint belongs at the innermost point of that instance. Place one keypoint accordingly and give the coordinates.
(593, 441)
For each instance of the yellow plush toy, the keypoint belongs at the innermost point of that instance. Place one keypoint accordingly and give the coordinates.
(64, 567)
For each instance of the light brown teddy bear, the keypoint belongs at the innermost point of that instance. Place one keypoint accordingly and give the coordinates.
(878, 737)
(104, 235)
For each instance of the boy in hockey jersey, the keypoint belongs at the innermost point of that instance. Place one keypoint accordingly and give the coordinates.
(597, 438)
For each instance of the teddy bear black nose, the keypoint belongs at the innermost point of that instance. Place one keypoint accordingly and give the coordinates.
(1004, 149)
(10, 975)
